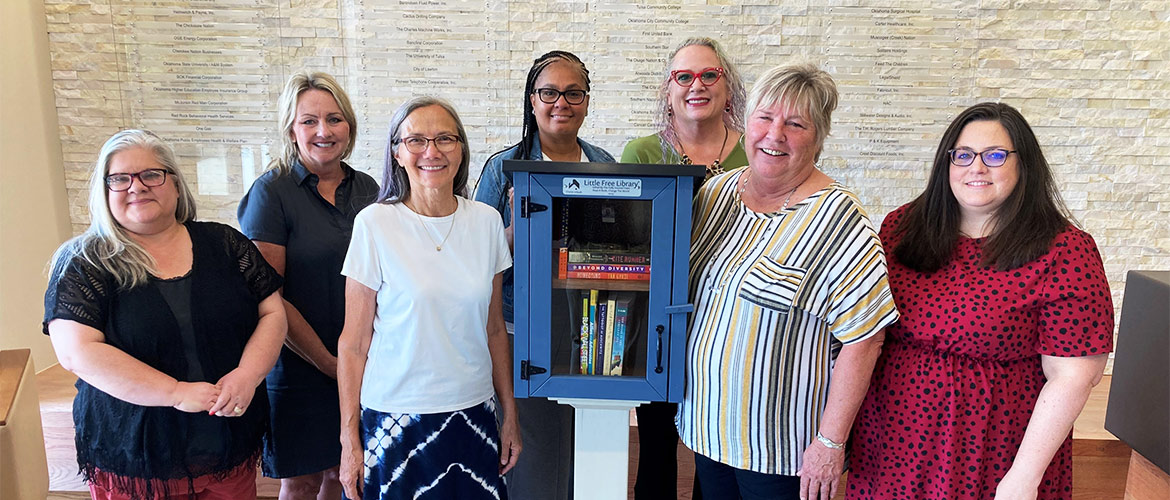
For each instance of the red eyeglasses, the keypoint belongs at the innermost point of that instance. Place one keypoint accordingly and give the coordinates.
(687, 78)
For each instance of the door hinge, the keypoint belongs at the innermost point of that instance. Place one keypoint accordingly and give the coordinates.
(527, 206)
(528, 370)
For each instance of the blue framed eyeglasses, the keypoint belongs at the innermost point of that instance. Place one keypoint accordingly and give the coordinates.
(994, 157)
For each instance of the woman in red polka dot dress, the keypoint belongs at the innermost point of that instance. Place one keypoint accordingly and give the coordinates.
(1006, 325)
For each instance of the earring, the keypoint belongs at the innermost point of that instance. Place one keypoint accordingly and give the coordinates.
(728, 108)
(670, 111)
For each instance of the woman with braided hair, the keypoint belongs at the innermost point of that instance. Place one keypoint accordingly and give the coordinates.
(556, 101)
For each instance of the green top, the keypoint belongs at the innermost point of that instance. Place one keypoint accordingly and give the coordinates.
(649, 150)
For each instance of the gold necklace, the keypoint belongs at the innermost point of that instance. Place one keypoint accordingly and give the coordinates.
(715, 167)
(426, 229)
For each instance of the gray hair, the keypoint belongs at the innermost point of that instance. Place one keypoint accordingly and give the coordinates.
(105, 244)
(298, 83)
(395, 182)
(736, 95)
(803, 87)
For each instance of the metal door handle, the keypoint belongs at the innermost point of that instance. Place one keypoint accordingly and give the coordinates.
(658, 357)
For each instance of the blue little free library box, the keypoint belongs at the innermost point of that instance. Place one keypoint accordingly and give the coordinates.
(601, 262)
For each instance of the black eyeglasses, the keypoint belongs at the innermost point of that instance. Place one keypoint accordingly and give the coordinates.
(687, 78)
(417, 144)
(151, 177)
(993, 157)
(550, 95)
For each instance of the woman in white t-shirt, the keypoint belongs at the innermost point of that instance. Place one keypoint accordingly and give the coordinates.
(424, 348)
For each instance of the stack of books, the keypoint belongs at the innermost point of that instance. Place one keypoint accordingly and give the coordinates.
(605, 320)
(603, 265)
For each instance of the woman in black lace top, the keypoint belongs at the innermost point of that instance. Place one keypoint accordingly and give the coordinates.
(170, 325)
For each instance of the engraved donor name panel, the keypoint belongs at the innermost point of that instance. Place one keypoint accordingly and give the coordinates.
(902, 73)
(407, 48)
(201, 75)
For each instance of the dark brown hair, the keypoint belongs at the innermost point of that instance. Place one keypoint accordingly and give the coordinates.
(1024, 226)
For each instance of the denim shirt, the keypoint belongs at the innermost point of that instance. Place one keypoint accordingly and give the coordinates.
(494, 185)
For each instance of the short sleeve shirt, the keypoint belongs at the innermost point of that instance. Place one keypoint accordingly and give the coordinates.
(228, 279)
(429, 351)
(776, 296)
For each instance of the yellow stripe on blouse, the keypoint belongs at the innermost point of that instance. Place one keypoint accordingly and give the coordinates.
(776, 296)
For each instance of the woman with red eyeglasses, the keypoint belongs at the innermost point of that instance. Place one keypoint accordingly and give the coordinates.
(700, 112)
(701, 116)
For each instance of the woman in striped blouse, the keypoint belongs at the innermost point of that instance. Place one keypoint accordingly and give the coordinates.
(789, 283)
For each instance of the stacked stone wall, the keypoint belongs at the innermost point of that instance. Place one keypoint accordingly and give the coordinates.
(1091, 76)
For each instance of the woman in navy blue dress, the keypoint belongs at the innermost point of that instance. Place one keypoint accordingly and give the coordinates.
(300, 214)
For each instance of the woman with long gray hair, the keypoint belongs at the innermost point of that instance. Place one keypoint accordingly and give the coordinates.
(171, 325)
(423, 358)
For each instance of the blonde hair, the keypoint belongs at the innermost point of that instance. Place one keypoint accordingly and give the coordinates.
(287, 113)
(105, 244)
(802, 87)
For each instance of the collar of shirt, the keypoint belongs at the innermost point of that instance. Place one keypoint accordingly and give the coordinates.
(301, 173)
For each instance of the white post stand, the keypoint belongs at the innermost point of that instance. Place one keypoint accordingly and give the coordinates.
(601, 447)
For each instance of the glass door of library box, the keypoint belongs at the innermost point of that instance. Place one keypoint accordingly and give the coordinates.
(600, 280)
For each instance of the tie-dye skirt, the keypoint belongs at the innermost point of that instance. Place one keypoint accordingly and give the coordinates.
(452, 455)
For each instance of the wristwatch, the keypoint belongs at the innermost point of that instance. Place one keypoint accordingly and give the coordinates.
(829, 443)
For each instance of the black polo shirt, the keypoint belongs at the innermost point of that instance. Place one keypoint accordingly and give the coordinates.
(287, 210)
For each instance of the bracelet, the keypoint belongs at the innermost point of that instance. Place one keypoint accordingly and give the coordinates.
(829, 443)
